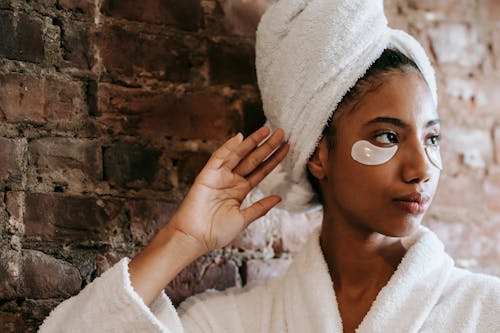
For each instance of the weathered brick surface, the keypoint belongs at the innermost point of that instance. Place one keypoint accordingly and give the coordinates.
(186, 14)
(12, 164)
(40, 100)
(11, 322)
(445, 6)
(190, 164)
(22, 37)
(198, 115)
(147, 217)
(457, 43)
(15, 205)
(129, 164)
(160, 56)
(33, 274)
(69, 162)
(205, 273)
(77, 43)
(232, 64)
(69, 218)
(79, 6)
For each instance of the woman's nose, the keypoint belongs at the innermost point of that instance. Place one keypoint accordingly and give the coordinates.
(417, 167)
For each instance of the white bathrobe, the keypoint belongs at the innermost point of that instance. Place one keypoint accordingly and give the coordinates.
(425, 294)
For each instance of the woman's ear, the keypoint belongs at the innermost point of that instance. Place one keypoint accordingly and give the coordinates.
(318, 163)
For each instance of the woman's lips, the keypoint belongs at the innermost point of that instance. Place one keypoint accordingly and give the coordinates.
(414, 203)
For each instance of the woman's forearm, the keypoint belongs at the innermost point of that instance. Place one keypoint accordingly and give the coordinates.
(152, 269)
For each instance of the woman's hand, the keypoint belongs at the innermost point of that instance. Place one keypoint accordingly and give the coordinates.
(210, 215)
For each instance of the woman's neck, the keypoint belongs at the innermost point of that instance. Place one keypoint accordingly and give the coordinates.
(359, 260)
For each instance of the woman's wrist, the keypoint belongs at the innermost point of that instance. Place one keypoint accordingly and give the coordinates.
(167, 255)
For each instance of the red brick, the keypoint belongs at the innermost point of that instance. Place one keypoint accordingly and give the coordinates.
(186, 14)
(33, 274)
(21, 36)
(79, 6)
(73, 162)
(47, 277)
(40, 100)
(12, 164)
(205, 273)
(190, 164)
(490, 9)
(15, 204)
(130, 164)
(58, 217)
(455, 43)
(198, 115)
(147, 217)
(139, 54)
(232, 64)
(77, 43)
(11, 322)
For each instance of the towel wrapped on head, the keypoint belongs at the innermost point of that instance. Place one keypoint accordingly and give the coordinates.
(309, 53)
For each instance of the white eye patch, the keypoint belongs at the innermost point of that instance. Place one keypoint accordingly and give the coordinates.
(434, 156)
(367, 153)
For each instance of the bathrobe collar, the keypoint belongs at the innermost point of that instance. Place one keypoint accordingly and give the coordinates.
(401, 306)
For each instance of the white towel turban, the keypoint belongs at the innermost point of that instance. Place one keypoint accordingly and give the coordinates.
(309, 53)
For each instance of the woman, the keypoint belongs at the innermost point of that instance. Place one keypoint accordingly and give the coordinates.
(374, 165)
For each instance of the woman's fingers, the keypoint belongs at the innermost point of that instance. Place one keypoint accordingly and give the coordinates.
(260, 208)
(255, 158)
(265, 168)
(246, 147)
(219, 156)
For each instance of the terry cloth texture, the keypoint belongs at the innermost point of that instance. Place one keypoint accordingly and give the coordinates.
(426, 294)
(309, 53)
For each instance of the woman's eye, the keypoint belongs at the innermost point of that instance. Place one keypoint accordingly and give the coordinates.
(433, 140)
(387, 138)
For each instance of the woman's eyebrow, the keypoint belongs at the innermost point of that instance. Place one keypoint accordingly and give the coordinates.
(433, 122)
(398, 122)
(389, 120)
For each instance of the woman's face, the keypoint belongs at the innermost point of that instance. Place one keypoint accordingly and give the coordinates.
(383, 169)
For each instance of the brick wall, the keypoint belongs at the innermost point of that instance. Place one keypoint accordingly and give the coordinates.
(109, 108)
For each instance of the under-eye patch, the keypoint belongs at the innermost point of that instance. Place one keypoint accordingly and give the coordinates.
(367, 153)
(434, 156)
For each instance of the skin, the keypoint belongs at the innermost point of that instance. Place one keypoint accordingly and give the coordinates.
(363, 223)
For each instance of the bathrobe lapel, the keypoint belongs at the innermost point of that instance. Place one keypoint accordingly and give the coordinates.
(401, 306)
